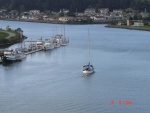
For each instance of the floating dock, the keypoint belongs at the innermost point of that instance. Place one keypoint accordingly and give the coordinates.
(33, 51)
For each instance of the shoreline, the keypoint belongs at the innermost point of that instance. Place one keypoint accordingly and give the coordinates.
(61, 22)
(84, 23)
(129, 27)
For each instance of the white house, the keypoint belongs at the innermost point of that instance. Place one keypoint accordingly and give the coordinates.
(25, 15)
(89, 11)
(98, 18)
(81, 18)
(65, 11)
(103, 10)
(31, 17)
(138, 24)
(2, 10)
(65, 19)
(117, 11)
(79, 14)
(35, 12)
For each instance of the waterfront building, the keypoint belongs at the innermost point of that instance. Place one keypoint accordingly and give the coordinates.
(89, 11)
(103, 10)
(65, 19)
(138, 23)
(35, 12)
(98, 18)
(65, 11)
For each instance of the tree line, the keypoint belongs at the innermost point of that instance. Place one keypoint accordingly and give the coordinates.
(73, 5)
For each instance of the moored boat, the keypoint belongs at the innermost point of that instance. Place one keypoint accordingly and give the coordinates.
(48, 45)
(57, 40)
(39, 43)
(65, 41)
(13, 56)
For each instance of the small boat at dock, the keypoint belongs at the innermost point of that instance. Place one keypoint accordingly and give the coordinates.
(39, 43)
(13, 56)
(32, 47)
(57, 40)
(48, 45)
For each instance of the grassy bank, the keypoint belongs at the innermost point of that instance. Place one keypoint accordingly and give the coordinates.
(14, 38)
(3, 35)
(144, 28)
(6, 39)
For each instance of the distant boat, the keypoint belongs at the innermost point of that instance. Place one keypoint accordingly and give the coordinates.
(88, 68)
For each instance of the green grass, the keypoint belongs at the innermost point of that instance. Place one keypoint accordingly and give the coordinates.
(146, 27)
(17, 35)
(3, 35)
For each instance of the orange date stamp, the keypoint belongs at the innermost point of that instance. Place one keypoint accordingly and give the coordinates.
(121, 102)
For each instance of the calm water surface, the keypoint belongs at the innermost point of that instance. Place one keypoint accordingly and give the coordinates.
(52, 81)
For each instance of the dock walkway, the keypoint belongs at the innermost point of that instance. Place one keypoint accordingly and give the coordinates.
(30, 52)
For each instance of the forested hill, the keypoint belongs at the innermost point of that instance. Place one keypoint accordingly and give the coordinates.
(73, 5)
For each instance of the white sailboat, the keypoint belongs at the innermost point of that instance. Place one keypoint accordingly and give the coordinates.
(65, 41)
(57, 40)
(88, 68)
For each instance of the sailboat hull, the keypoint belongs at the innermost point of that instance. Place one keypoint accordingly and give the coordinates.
(88, 72)
(13, 58)
(48, 48)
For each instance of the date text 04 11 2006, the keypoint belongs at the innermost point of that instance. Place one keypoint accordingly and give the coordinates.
(121, 102)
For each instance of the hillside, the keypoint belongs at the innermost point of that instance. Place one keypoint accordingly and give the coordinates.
(73, 5)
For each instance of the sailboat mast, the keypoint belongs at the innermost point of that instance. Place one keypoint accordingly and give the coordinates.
(64, 30)
(53, 31)
(21, 39)
(89, 44)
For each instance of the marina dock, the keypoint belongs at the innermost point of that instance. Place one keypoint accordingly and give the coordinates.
(34, 51)
(18, 54)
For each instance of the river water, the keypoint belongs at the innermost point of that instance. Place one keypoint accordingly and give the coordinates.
(52, 81)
